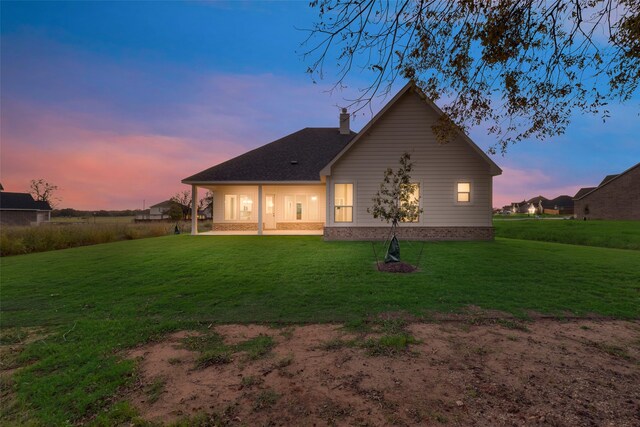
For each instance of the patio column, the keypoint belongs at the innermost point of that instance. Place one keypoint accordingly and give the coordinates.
(260, 210)
(194, 210)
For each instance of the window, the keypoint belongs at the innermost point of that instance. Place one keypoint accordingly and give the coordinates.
(313, 208)
(230, 207)
(414, 200)
(343, 202)
(464, 192)
(289, 208)
(234, 205)
(301, 207)
(246, 207)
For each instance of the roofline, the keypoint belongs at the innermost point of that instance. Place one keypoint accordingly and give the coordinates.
(25, 209)
(607, 183)
(319, 182)
(494, 168)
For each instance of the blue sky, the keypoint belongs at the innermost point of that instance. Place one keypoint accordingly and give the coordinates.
(117, 101)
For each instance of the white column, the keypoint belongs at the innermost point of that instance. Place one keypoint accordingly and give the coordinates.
(329, 203)
(194, 210)
(260, 210)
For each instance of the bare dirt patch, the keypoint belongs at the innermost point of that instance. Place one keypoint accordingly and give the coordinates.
(547, 373)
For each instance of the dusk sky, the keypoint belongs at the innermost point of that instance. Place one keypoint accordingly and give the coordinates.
(116, 102)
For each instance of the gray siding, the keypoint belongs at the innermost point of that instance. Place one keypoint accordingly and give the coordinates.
(406, 127)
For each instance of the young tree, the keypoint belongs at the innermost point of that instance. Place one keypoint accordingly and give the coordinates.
(44, 191)
(521, 66)
(396, 201)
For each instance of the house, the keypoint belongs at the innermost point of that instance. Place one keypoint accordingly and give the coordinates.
(159, 211)
(561, 205)
(22, 209)
(324, 179)
(616, 197)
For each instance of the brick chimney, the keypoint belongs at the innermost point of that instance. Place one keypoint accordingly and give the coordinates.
(344, 122)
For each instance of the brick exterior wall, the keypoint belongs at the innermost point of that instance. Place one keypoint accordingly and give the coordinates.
(235, 226)
(619, 199)
(409, 233)
(300, 226)
(9, 217)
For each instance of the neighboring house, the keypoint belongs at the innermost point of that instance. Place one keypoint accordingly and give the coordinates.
(159, 211)
(206, 212)
(21, 209)
(616, 197)
(561, 205)
(325, 179)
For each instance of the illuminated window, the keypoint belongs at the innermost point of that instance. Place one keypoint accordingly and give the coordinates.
(234, 205)
(289, 208)
(301, 207)
(246, 207)
(313, 208)
(414, 200)
(343, 202)
(230, 207)
(464, 192)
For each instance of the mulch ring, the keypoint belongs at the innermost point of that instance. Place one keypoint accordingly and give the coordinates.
(396, 267)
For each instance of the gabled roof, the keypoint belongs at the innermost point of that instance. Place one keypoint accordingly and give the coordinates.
(493, 167)
(561, 201)
(20, 201)
(606, 181)
(43, 205)
(165, 204)
(581, 192)
(297, 157)
(537, 199)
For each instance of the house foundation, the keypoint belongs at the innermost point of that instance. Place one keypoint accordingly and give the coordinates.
(409, 233)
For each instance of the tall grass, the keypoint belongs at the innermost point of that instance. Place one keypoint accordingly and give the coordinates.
(48, 237)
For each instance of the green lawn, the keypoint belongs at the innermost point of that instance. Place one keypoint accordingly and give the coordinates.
(608, 234)
(100, 299)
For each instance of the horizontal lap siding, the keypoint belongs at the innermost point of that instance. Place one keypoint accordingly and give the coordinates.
(406, 126)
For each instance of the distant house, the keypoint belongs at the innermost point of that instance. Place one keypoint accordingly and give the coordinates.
(561, 205)
(22, 209)
(616, 197)
(159, 211)
(322, 180)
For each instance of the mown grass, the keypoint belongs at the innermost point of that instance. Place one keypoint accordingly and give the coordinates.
(93, 302)
(608, 234)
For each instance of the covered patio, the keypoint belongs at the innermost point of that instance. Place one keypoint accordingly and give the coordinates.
(282, 209)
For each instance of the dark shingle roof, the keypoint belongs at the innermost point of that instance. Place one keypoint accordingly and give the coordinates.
(537, 199)
(311, 149)
(581, 192)
(607, 179)
(561, 202)
(42, 205)
(165, 204)
(19, 201)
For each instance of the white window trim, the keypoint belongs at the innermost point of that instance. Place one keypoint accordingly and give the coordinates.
(472, 189)
(353, 204)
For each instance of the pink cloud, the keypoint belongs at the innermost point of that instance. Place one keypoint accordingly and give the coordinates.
(103, 170)
(519, 184)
